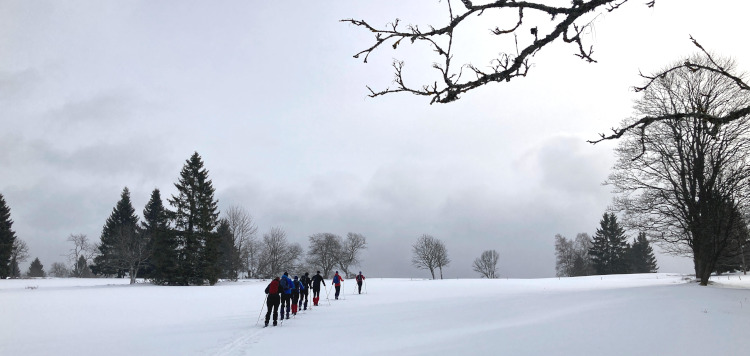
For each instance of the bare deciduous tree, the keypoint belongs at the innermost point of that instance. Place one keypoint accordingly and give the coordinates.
(132, 250)
(349, 256)
(244, 233)
(81, 248)
(486, 264)
(277, 254)
(19, 254)
(707, 66)
(429, 253)
(684, 178)
(572, 256)
(59, 270)
(324, 252)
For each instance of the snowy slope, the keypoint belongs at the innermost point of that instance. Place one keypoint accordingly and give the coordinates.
(650, 314)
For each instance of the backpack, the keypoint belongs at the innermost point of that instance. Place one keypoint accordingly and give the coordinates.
(273, 288)
(359, 278)
(284, 284)
(297, 286)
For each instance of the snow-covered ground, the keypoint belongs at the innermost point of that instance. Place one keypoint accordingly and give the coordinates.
(648, 314)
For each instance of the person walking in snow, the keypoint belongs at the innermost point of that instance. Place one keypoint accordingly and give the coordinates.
(286, 294)
(296, 290)
(306, 284)
(360, 279)
(272, 301)
(337, 283)
(316, 281)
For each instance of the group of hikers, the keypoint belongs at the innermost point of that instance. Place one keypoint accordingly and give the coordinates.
(292, 294)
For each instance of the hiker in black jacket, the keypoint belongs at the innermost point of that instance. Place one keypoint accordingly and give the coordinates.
(272, 302)
(316, 280)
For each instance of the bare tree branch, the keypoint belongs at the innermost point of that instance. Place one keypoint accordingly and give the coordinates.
(567, 23)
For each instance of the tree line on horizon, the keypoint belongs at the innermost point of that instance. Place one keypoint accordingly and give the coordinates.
(189, 244)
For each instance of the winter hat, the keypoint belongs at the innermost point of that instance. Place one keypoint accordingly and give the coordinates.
(295, 277)
(318, 272)
(286, 274)
(306, 273)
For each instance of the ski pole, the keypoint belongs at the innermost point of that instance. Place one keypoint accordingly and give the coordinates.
(261, 310)
(343, 286)
(365, 286)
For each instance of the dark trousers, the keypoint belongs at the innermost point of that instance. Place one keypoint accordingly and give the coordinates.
(295, 298)
(316, 291)
(338, 290)
(303, 297)
(285, 304)
(272, 303)
(359, 284)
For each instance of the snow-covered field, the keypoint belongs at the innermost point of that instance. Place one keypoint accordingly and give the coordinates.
(648, 314)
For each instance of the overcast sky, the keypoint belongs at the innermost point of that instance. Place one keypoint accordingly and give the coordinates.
(99, 95)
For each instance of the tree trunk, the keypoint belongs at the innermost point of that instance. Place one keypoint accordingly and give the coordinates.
(432, 272)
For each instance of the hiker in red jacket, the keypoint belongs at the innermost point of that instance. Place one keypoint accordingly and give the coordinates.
(272, 302)
(360, 279)
(337, 283)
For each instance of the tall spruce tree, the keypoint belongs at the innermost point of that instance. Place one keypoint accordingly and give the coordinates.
(122, 223)
(642, 258)
(609, 251)
(162, 266)
(7, 239)
(195, 218)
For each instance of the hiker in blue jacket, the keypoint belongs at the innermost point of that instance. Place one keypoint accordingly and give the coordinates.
(286, 294)
(296, 290)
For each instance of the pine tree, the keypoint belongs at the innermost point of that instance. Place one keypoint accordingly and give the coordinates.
(195, 217)
(609, 251)
(228, 252)
(7, 238)
(164, 260)
(642, 256)
(122, 223)
(36, 269)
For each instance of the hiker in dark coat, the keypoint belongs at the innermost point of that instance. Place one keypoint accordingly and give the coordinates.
(272, 302)
(316, 281)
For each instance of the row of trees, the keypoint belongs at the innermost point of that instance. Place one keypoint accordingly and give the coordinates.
(191, 245)
(607, 253)
(429, 253)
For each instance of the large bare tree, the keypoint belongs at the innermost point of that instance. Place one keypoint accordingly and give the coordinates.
(20, 253)
(324, 252)
(244, 234)
(277, 254)
(350, 250)
(683, 178)
(429, 253)
(82, 248)
(486, 264)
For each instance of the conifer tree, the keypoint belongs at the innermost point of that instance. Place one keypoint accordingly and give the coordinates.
(195, 218)
(121, 224)
(642, 256)
(36, 269)
(609, 251)
(161, 267)
(228, 253)
(7, 239)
